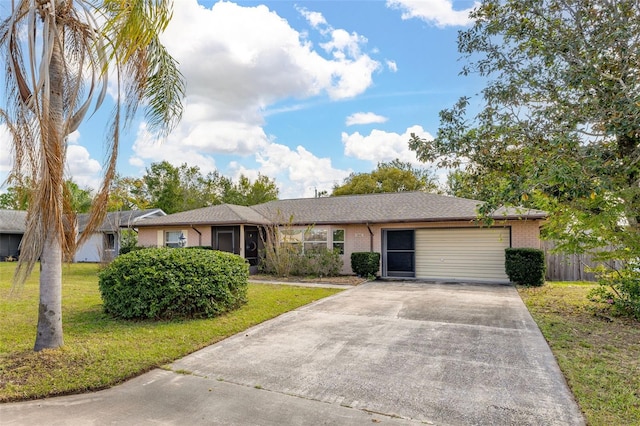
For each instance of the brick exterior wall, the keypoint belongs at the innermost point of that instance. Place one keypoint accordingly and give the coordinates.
(525, 233)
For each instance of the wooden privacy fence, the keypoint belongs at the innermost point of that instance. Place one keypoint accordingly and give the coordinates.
(567, 267)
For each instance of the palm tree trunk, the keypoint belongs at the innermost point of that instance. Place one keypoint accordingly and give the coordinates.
(49, 333)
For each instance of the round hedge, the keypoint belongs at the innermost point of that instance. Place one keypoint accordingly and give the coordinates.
(166, 283)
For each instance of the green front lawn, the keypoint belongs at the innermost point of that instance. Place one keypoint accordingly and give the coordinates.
(99, 351)
(598, 354)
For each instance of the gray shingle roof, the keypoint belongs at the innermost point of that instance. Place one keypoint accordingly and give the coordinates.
(221, 213)
(381, 208)
(13, 221)
(115, 220)
(370, 208)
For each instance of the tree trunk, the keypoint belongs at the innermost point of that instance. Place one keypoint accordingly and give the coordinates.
(627, 152)
(50, 310)
(49, 333)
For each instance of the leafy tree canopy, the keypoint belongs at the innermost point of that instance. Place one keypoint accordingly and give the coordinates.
(174, 189)
(17, 197)
(163, 186)
(559, 123)
(394, 176)
(127, 193)
(168, 187)
(81, 199)
(247, 193)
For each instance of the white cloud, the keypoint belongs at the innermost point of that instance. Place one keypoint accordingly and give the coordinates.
(437, 12)
(234, 73)
(365, 118)
(6, 148)
(342, 43)
(315, 18)
(392, 66)
(225, 56)
(381, 146)
(305, 172)
(86, 171)
(74, 138)
(147, 147)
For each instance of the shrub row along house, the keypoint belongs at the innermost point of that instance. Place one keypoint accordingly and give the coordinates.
(101, 246)
(418, 234)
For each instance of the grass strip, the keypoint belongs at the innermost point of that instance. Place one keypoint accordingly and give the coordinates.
(100, 351)
(598, 354)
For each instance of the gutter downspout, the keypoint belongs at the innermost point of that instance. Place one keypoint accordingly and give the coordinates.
(199, 235)
(370, 238)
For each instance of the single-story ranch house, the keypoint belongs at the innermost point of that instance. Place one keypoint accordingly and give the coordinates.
(102, 245)
(418, 234)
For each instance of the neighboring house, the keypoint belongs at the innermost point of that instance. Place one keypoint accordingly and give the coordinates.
(12, 227)
(102, 245)
(418, 234)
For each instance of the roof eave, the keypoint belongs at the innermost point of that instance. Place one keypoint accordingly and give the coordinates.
(414, 220)
(200, 223)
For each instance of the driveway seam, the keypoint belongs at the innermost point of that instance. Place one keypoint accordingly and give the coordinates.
(530, 327)
(258, 387)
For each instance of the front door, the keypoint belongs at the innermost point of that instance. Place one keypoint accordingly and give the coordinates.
(251, 240)
(399, 253)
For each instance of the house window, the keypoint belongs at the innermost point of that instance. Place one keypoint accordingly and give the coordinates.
(109, 241)
(338, 240)
(292, 238)
(315, 240)
(172, 239)
(305, 240)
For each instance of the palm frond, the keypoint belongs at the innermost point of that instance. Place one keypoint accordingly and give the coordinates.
(58, 56)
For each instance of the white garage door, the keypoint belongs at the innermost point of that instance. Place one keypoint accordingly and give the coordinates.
(462, 254)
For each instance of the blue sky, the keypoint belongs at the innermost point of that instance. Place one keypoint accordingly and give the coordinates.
(305, 92)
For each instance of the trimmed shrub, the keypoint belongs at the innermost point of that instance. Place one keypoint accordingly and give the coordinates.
(365, 264)
(165, 283)
(525, 266)
(319, 263)
(129, 249)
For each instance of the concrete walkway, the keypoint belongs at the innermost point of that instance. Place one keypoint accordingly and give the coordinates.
(391, 353)
(302, 284)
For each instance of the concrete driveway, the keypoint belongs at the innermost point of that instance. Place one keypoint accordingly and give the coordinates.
(383, 352)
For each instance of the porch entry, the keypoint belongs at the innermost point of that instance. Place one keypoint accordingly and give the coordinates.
(251, 244)
(398, 253)
(227, 238)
